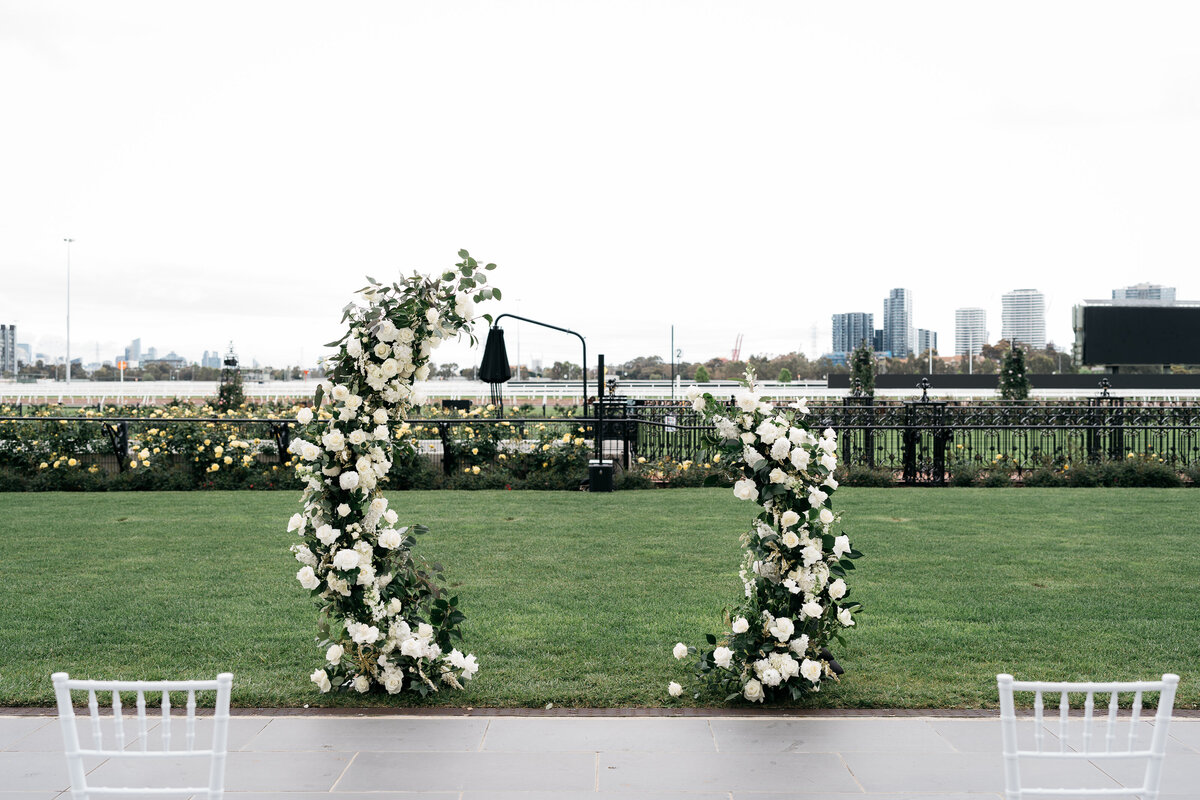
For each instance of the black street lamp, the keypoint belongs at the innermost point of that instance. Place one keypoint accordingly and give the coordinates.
(494, 367)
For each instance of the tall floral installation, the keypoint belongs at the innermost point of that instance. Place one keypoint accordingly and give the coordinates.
(386, 622)
(794, 572)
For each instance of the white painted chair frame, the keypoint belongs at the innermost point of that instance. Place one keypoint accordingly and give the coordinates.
(1153, 756)
(80, 790)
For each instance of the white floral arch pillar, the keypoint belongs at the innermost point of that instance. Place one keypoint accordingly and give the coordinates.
(386, 622)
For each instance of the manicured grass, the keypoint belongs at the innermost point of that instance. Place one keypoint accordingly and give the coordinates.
(576, 599)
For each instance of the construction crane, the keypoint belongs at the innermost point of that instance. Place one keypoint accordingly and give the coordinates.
(737, 348)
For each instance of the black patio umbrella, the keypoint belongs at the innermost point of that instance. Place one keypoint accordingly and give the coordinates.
(494, 369)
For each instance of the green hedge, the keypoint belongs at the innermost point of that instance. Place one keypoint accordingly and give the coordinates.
(1144, 472)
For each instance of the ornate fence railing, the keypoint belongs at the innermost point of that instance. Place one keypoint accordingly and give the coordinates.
(920, 441)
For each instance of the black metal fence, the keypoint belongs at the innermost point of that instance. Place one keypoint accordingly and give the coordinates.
(923, 440)
(920, 441)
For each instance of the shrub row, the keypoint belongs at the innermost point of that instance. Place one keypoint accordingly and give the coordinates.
(1131, 472)
(554, 465)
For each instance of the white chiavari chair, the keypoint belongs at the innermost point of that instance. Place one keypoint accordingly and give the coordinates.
(82, 790)
(1097, 749)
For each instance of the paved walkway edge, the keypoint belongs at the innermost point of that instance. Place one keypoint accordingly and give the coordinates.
(451, 711)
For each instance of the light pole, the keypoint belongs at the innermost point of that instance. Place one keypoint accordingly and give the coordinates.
(68, 241)
(672, 363)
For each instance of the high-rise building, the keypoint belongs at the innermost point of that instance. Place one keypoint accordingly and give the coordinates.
(1023, 318)
(133, 353)
(970, 331)
(899, 334)
(851, 330)
(877, 341)
(8, 349)
(1148, 293)
(926, 340)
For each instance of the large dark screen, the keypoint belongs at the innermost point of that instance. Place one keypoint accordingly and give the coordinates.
(1141, 335)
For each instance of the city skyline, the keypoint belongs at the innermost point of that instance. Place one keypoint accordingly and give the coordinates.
(802, 338)
(786, 162)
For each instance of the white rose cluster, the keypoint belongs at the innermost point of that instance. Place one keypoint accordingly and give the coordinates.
(353, 556)
(795, 562)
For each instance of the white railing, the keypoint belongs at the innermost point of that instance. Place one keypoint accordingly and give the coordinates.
(536, 392)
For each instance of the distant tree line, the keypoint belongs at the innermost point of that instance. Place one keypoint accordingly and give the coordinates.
(797, 366)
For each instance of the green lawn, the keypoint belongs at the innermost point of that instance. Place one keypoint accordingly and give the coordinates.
(576, 599)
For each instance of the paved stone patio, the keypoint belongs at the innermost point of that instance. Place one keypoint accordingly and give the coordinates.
(564, 758)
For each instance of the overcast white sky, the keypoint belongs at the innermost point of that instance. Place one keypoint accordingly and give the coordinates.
(230, 171)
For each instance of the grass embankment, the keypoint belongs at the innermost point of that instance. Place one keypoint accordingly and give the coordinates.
(576, 599)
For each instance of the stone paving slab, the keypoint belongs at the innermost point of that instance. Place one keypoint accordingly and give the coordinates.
(37, 772)
(956, 772)
(374, 733)
(724, 772)
(566, 735)
(1180, 775)
(14, 729)
(244, 772)
(1186, 734)
(337, 796)
(502, 795)
(523, 772)
(1143, 733)
(47, 737)
(983, 735)
(861, 796)
(828, 736)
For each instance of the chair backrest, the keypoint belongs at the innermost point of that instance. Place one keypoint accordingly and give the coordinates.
(81, 790)
(1089, 747)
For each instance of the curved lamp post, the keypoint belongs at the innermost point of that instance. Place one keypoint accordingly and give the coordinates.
(68, 241)
(494, 368)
